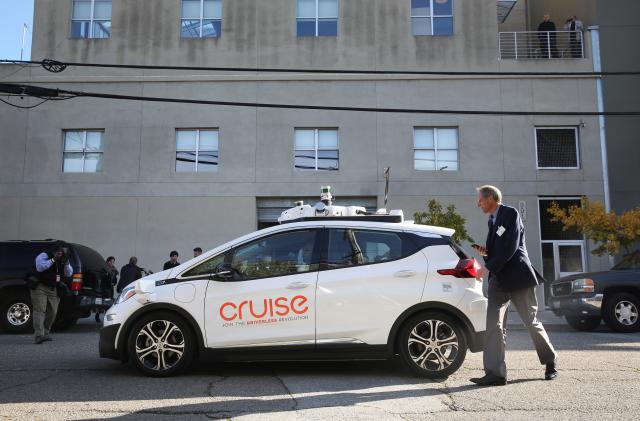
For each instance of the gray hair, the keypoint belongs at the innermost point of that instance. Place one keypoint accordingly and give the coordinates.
(133, 260)
(490, 191)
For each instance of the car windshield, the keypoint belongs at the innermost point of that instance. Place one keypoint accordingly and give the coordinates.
(629, 262)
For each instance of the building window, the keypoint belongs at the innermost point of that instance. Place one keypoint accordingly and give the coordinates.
(201, 18)
(82, 151)
(316, 18)
(435, 149)
(91, 19)
(317, 149)
(432, 17)
(557, 147)
(197, 150)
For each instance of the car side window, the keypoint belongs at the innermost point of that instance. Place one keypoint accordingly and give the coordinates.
(282, 254)
(207, 267)
(349, 247)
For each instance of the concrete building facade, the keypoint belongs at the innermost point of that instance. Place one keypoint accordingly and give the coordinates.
(138, 204)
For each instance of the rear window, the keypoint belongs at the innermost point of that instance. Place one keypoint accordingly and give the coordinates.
(89, 258)
(18, 255)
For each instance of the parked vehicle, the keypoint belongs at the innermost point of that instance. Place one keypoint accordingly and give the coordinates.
(80, 293)
(343, 285)
(614, 295)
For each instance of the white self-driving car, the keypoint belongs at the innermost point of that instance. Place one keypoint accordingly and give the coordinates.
(339, 284)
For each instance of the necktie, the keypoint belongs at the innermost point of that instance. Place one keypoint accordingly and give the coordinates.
(490, 222)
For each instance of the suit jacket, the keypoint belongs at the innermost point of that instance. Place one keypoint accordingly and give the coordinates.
(507, 257)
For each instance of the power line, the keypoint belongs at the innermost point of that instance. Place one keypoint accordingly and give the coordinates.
(41, 92)
(59, 66)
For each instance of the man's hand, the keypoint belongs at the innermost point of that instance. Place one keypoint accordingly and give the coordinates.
(482, 273)
(482, 251)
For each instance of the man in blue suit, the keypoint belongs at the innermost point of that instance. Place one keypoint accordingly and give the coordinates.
(511, 279)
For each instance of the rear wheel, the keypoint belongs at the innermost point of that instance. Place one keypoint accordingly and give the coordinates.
(621, 312)
(16, 313)
(583, 323)
(161, 344)
(432, 345)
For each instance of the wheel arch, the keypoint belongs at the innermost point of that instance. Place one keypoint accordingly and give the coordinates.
(152, 308)
(474, 341)
(629, 289)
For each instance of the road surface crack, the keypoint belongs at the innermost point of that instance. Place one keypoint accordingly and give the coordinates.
(286, 388)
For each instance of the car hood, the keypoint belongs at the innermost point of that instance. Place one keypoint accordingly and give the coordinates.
(594, 275)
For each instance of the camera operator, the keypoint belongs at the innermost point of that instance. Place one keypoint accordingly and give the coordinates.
(51, 268)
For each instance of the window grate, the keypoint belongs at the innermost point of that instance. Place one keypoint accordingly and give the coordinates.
(557, 147)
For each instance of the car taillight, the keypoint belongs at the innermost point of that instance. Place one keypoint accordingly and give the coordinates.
(466, 268)
(76, 282)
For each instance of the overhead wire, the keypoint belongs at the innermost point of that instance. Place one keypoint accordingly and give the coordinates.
(59, 66)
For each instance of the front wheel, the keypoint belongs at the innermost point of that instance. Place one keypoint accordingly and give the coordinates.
(583, 323)
(161, 344)
(432, 345)
(620, 312)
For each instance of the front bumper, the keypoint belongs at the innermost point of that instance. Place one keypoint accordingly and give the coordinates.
(108, 342)
(576, 306)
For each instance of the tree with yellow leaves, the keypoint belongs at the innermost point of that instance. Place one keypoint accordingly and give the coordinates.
(608, 230)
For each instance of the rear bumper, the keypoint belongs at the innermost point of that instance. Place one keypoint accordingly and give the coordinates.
(576, 306)
(107, 345)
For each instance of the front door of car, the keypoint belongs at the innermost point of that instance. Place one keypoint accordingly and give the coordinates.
(368, 278)
(268, 298)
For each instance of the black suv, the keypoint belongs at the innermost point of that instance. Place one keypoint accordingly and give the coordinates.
(585, 299)
(81, 293)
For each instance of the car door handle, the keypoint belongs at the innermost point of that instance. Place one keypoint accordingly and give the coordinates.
(404, 274)
(297, 285)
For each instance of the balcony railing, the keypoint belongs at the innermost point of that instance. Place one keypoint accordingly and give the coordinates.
(536, 45)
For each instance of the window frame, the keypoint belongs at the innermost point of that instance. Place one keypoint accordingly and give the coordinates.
(435, 149)
(316, 136)
(91, 21)
(197, 150)
(577, 142)
(432, 17)
(317, 19)
(202, 19)
(84, 149)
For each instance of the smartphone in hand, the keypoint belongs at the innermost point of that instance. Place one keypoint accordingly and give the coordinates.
(482, 251)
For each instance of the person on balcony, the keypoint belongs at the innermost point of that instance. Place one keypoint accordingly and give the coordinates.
(575, 36)
(547, 37)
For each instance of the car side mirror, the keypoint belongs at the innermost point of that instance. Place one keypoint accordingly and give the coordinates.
(223, 272)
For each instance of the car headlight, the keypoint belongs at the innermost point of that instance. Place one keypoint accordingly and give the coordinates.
(126, 294)
(583, 285)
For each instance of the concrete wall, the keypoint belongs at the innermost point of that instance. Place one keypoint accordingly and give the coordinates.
(139, 205)
(371, 34)
(619, 32)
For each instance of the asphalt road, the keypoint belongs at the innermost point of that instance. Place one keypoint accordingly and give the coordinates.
(65, 379)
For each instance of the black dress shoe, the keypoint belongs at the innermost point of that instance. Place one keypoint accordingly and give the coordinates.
(489, 380)
(551, 372)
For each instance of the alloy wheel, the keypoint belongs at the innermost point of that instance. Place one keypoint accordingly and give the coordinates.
(433, 345)
(159, 345)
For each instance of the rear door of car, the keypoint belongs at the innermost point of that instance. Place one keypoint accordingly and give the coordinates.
(368, 278)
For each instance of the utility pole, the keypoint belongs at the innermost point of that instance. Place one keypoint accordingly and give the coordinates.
(24, 36)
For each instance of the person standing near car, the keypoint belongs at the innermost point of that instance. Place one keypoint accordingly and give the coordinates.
(129, 273)
(172, 262)
(197, 252)
(511, 279)
(108, 282)
(51, 269)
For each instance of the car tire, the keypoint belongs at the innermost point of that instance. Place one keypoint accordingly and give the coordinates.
(621, 312)
(441, 331)
(583, 323)
(161, 344)
(16, 312)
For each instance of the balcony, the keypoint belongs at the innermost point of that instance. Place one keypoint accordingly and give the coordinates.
(535, 45)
